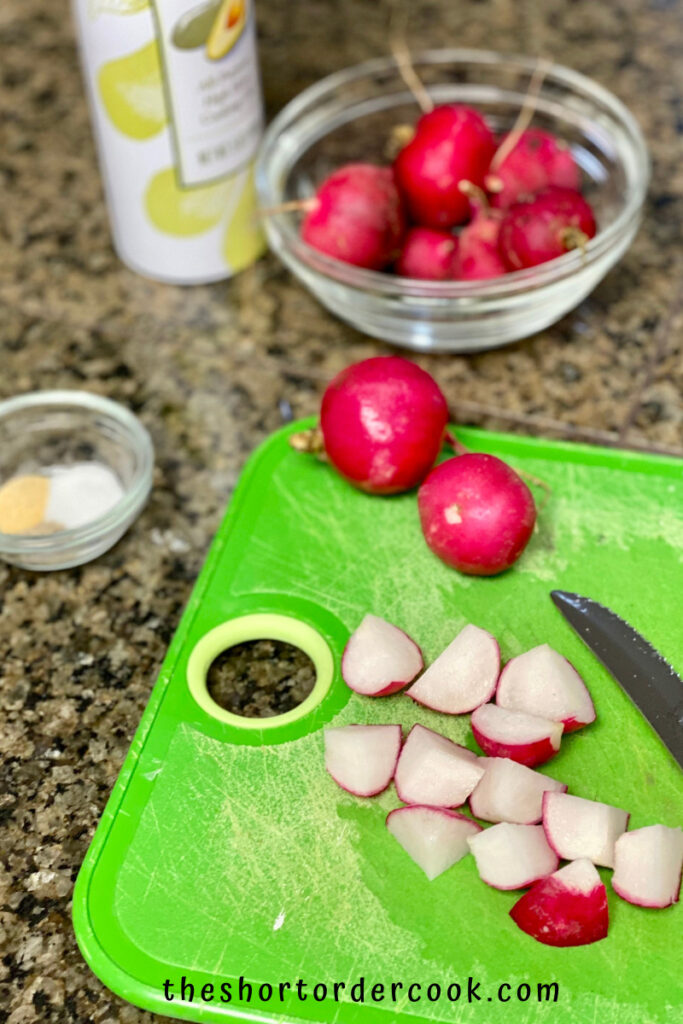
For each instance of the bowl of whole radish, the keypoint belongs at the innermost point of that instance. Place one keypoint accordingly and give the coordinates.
(383, 426)
(475, 217)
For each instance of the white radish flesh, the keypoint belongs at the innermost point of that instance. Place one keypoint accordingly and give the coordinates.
(435, 771)
(380, 658)
(577, 827)
(524, 738)
(362, 758)
(568, 908)
(542, 682)
(434, 837)
(512, 792)
(647, 866)
(463, 676)
(512, 856)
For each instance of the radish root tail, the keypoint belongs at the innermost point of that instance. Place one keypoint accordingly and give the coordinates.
(401, 54)
(524, 118)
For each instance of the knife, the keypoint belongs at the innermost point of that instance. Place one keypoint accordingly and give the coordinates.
(640, 670)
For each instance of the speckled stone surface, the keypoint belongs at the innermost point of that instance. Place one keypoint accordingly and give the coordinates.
(212, 370)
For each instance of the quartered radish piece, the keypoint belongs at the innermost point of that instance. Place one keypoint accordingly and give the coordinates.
(463, 676)
(362, 758)
(434, 837)
(576, 827)
(435, 771)
(647, 866)
(379, 658)
(568, 908)
(512, 856)
(524, 738)
(542, 682)
(509, 791)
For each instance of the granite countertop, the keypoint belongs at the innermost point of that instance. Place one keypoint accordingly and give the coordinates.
(212, 370)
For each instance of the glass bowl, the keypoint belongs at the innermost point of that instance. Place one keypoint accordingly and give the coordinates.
(45, 428)
(349, 116)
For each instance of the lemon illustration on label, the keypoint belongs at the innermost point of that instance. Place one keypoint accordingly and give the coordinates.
(227, 28)
(132, 93)
(184, 211)
(244, 240)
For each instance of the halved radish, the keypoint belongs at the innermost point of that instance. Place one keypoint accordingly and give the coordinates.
(435, 771)
(568, 908)
(647, 866)
(379, 658)
(434, 837)
(524, 738)
(362, 758)
(509, 791)
(542, 682)
(463, 676)
(512, 856)
(576, 827)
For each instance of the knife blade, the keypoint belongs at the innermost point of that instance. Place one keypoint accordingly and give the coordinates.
(641, 671)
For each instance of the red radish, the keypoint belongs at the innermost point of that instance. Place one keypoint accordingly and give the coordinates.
(547, 226)
(434, 837)
(647, 866)
(451, 144)
(478, 257)
(542, 682)
(435, 771)
(524, 738)
(512, 856)
(379, 658)
(427, 254)
(362, 758)
(508, 791)
(576, 827)
(537, 160)
(568, 908)
(357, 216)
(383, 422)
(463, 676)
(477, 514)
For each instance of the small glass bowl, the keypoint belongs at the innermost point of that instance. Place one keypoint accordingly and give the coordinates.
(349, 117)
(46, 428)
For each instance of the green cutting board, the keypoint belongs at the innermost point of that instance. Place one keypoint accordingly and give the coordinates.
(226, 851)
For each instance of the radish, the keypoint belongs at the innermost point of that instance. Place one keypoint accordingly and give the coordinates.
(356, 216)
(576, 827)
(568, 908)
(382, 423)
(545, 227)
(512, 856)
(521, 737)
(450, 144)
(435, 771)
(536, 160)
(477, 514)
(542, 682)
(463, 676)
(379, 658)
(508, 791)
(434, 837)
(478, 257)
(362, 758)
(647, 866)
(427, 254)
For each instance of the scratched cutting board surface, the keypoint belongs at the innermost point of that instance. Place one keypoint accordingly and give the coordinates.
(225, 849)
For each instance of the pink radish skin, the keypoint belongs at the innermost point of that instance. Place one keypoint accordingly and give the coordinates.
(478, 258)
(538, 160)
(511, 792)
(463, 676)
(545, 227)
(383, 422)
(357, 217)
(362, 758)
(647, 866)
(433, 837)
(451, 144)
(521, 737)
(379, 658)
(477, 514)
(428, 254)
(568, 908)
(543, 682)
(512, 856)
(433, 770)
(576, 827)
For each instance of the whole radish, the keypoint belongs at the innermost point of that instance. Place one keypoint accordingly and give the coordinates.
(357, 216)
(428, 254)
(536, 161)
(478, 257)
(554, 222)
(476, 513)
(382, 422)
(451, 143)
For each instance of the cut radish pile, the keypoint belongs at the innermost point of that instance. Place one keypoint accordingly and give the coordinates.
(463, 676)
(528, 739)
(576, 827)
(434, 837)
(511, 792)
(568, 908)
(435, 771)
(512, 856)
(362, 758)
(647, 866)
(380, 658)
(542, 682)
